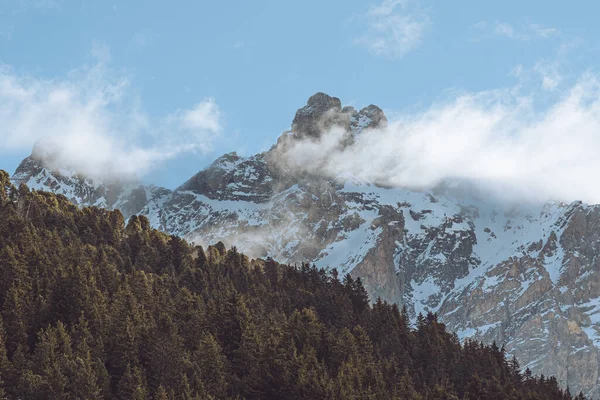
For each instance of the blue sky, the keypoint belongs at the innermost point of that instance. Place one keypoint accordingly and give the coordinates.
(232, 73)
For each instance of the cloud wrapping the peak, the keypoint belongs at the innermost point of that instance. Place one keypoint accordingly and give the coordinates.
(394, 28)
(90, 122)
(498, 140)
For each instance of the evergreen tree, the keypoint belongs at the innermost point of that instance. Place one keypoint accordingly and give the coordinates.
(132, 386)
(209, 369)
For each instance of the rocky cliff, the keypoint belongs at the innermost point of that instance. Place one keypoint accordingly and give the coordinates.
(524, 275)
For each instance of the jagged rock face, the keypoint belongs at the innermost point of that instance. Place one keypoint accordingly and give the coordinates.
(368, 118)
(323, 112)
(232, 177)
(527, 276)
(320, 114)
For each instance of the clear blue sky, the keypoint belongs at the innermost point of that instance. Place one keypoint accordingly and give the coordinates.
(260, 60)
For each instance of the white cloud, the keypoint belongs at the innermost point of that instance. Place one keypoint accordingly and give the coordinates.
(91, 122)
(204, 116)
(500, 140)
(544, 74)
(524, 33)
(395, 27)
(549, 74)
(543, 32)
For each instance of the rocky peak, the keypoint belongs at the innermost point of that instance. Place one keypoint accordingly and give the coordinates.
(370, 117)
(320, 113)
(321, 99)
(323, 112)
(27, 168)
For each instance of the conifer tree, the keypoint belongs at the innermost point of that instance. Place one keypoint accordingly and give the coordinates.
(209, 369)
(132, 385)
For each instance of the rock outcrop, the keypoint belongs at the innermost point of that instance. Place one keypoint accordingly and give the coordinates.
(323, 112)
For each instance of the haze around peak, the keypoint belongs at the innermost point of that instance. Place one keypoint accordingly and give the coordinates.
(520, 144)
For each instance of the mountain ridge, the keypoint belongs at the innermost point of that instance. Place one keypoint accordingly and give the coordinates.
(524, 275)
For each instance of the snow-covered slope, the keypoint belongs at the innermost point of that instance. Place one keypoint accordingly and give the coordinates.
(130, 198)
(524, 275)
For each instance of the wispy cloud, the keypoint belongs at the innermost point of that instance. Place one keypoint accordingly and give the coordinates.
(92, 122)
(548, 75)
(528, 32)
(394, 28)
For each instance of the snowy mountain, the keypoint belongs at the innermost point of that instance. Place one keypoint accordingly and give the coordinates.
(525, 275)
(129, 198)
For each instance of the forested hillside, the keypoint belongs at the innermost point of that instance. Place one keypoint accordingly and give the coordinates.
(95, 308)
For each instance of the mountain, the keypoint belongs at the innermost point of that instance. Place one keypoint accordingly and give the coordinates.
(94, 308)
(129, 197)
(525, 275)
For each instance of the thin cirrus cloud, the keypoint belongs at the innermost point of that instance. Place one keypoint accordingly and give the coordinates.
(90, 122)
(525, 33)
(548, 73)
(394, 28)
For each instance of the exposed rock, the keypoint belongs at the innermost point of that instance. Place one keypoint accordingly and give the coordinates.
(370, 117)
(321, 113)
(232, 177)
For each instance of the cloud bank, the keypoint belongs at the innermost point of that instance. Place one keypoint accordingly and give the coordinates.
(501, 140)
(92, 123)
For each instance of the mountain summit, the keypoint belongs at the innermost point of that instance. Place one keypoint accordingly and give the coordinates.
(526, 276)
(323, 112)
